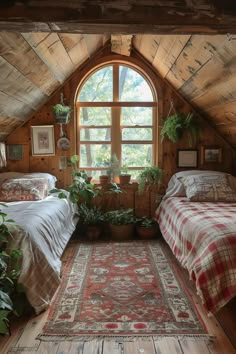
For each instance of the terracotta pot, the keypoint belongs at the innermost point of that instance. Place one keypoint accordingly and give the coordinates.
(122, 232)
(124, 179)
(89, 179)
(93, 232)
(146, 232)
(104, 179)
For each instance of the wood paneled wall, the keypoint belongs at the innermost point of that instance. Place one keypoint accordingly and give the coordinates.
(167, 151)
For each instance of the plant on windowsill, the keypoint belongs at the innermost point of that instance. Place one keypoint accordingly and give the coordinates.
(175, 125)
(121, 223)
(124, 176)
(146, 227)
(148, 177)
(112, 170)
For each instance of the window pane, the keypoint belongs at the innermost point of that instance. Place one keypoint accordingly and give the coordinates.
(135, 155)
(95, 134)
(98, 87)
(95, 116)
(133, 87)
(94, 155)
(137, 134)
(136, 116)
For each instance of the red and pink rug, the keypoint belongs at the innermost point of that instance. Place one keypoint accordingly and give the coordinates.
(121, 289)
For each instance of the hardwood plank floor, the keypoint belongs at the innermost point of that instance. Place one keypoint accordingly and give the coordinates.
(25, 330)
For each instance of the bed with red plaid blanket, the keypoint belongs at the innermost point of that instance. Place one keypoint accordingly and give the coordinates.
(202, 236)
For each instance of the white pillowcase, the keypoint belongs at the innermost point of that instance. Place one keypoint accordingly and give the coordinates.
(51, 179)
(209, 188)
(175, 186)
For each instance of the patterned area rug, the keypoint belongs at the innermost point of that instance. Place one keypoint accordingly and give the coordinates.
(121, 289)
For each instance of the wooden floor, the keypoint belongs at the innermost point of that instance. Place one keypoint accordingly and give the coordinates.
(25, 330)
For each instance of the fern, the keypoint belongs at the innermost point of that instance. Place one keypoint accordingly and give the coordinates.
(175, 125)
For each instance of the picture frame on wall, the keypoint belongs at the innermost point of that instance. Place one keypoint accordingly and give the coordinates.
(15, 152)
(211, 154)
(187, 158)
(42, 139)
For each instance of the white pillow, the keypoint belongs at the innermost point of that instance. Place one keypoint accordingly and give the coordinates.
(51, 179)
(209, 188)
(175, 186)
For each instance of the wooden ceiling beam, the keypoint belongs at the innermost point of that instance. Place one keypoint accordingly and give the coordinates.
(119, 16)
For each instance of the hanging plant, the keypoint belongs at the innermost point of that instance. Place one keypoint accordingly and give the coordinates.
(175, 126)
(62, 112)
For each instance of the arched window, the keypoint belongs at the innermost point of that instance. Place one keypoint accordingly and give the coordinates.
(117, 114)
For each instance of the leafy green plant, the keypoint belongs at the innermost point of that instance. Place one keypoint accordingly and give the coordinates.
(148, 177)
(9, 274)
(175, 125)
(90, 215)
(120, 217)
(80, 190)
(145, 222)
(61, 109)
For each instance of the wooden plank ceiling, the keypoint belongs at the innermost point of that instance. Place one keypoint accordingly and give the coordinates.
(191, 44)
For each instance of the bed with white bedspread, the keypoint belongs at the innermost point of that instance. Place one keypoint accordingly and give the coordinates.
(42, 229)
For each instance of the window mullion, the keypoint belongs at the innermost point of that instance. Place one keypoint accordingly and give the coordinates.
(115, 130)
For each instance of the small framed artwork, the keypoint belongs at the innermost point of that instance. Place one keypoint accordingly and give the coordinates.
(211, 154)
(187, 158)
(15, 152)
(43, 143)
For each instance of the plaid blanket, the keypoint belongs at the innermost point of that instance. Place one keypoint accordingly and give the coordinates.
(41, 230)
(202, 236)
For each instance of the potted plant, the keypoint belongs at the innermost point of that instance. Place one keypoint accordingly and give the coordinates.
(12, 296)
(146, 227)
(175, 125)
(124, 176)
(148, 177)
(112, 170)
(92, 217)
(61, 113)
(80, 190)
(121, 223)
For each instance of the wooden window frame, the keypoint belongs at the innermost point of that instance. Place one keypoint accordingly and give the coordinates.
(116, 106)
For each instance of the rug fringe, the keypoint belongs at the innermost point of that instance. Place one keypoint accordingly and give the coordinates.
(124, 338)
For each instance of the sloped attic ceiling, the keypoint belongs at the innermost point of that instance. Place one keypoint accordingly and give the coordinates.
(192, 44)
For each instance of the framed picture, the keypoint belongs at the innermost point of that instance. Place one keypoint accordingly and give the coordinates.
(211, 154)
(42, 137)
(187, 158)
(15, 152)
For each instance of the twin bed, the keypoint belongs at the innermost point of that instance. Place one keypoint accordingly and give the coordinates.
(197, 218)
(42, 228)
